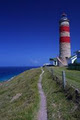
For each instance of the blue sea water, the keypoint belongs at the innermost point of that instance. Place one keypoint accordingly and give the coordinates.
(7, 73)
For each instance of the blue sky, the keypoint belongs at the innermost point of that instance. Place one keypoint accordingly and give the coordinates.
(29, 30)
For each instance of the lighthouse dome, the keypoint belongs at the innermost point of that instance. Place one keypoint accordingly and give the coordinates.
(64, 18)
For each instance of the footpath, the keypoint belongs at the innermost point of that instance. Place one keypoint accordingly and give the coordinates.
(42, 114)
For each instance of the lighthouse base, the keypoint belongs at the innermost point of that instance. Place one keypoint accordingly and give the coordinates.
(62, 61)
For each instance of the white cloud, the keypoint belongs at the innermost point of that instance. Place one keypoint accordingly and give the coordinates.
(34, 62)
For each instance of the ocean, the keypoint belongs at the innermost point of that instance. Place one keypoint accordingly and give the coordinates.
(7, 73)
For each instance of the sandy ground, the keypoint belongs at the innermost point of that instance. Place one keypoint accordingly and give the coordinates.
(42, 114)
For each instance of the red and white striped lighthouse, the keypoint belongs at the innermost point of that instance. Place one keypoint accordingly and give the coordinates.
(64, 48)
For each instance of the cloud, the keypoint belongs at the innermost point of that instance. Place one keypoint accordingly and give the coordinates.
(34, 62)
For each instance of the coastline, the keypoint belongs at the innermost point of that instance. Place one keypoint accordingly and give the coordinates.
(11, 78)
(5, 81)
(8, 74)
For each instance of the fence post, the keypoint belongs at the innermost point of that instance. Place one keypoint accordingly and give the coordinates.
(64, 79)
(52, 71)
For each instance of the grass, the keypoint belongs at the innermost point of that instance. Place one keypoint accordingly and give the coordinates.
(58, 107)
(23, 107)
(72, 76)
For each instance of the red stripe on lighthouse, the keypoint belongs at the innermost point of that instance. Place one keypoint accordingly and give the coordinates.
(64, 28)
(65, 39)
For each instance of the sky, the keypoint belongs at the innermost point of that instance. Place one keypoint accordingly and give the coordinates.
(29, 30)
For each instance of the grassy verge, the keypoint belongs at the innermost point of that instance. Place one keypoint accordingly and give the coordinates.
(72, 76)
(59, 108)
(19, 97)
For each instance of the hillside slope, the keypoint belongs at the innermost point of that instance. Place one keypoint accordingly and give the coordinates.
(19, 97)
(58, 106)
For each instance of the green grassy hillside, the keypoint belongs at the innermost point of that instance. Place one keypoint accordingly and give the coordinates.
(19, 97)
(72, 76)
(58, 106)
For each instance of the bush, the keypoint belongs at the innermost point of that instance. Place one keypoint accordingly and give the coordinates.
(75, 66)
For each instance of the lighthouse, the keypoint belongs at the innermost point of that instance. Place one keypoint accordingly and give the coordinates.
(64, 41)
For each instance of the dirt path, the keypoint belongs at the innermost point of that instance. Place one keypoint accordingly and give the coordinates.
(42, 114)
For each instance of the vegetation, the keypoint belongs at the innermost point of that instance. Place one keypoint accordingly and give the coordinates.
(72, 76)
(58, 106)
(75, 66)
(19, 98)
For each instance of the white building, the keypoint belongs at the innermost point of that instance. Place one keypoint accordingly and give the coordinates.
(74, 58)
(53, 61)
(78, 56)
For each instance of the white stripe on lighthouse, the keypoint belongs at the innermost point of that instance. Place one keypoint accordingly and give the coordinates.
(64, 34)
(65, 23)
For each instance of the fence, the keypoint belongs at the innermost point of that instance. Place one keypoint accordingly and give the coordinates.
(63, 76)
(66, 76)
(70, 90)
